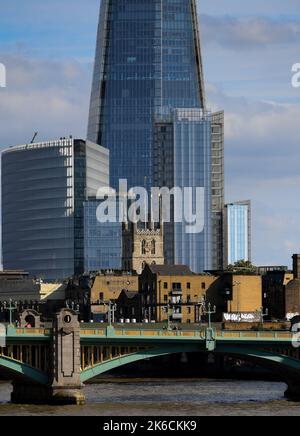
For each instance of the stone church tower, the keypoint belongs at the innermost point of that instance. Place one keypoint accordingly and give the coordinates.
(142, 244)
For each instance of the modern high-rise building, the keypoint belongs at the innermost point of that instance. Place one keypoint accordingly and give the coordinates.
(218, 188)
(148, 58)
(102, 241)
(44, 186)
(182, 158)
(148, 64)
(237, 231)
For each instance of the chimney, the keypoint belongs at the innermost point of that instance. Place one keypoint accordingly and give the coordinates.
(296, 266)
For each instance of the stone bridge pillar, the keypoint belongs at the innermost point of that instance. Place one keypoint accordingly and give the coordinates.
(66, 385)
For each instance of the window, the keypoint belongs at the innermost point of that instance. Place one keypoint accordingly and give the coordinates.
(153, 247)
(165, 298)
(203, 286)
(189, 311)
(101, 296)
(165, 285)
(188, 298)
(143, 247)
(177, 286)
(188, 286)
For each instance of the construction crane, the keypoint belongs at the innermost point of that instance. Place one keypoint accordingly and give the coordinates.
(34, 136)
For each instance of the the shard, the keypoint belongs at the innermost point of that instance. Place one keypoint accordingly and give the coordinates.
(148, 64)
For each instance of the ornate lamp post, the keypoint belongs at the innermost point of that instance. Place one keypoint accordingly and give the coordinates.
(11, 308)
(209, 311)
(210, 332)
(112, 308)
(262, 316)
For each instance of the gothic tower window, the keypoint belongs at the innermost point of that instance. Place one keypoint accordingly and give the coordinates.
(153, 247)
(144, 247)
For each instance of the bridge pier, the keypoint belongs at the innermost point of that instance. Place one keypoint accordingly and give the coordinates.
(30, 394)
(64, 386)
(41, 395)
(293, 391)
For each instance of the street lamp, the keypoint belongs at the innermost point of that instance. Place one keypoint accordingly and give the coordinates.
(237, 283)
(262, 316)
(112, 307)
(11, 309)
(209, 311)
(170, 312)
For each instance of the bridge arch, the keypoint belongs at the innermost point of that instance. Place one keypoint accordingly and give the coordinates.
(283, 366)
(22, 372)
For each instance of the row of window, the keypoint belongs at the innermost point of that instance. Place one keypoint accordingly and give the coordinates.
(178, 286)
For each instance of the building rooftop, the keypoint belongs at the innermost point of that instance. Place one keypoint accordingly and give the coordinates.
(171, 270)
(130, 294)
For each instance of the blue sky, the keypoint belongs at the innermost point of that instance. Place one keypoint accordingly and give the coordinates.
(248, 52)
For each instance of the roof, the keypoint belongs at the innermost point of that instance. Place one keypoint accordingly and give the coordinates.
(171, 270)
(130, 294)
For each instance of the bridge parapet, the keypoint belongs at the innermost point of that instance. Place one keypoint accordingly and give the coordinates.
(120, 332)
(13, 332)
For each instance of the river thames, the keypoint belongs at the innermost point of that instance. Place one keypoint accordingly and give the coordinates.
(139, 397)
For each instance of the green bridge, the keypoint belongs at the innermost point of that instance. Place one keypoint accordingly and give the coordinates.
(51, 365)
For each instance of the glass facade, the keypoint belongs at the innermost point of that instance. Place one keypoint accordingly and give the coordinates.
(148, 58)
(148, 63)
(44, 186)
(217, 186)
(238, 232)
(102, 241)
(182, 156)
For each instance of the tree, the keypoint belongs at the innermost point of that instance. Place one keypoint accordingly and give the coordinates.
(242, 267)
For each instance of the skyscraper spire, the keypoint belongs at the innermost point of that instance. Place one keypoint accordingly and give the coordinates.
(148, 59)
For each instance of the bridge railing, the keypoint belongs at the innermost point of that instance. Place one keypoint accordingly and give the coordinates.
(155, 333)
(199, 333)
(254, 334)
(17, 331)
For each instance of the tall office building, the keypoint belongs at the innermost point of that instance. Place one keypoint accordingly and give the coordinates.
(102, 241)
(148, 63)
(148, 58)
(237, 230)
(44, 186)
(218, 189)
(182, 158)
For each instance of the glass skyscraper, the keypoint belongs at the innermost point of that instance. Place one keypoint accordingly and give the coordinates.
(148, 63)
(182, 157)
(102, 241)
(237, 232)
(44, 186)
(148, 58)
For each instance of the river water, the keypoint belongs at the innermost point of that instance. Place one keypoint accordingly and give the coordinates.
(138, 397)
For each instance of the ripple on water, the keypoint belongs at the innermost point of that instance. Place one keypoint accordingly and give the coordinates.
(168, 397)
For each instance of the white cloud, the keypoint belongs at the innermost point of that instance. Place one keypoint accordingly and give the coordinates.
(51, 97)
(262, 163)
(249, 33)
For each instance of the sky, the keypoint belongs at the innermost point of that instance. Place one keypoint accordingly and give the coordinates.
(248, 51)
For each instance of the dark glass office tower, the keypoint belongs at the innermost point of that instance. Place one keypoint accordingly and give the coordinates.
(44, 187)
(148, 63)
(148, 58)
